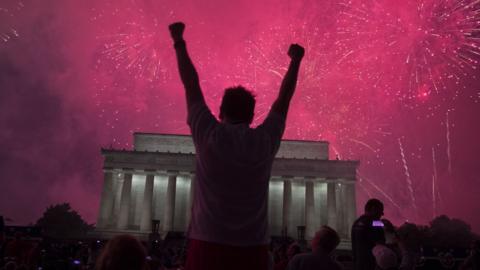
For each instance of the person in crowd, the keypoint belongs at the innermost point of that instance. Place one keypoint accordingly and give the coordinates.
(18, 249)
(389, 232)
(472, 262)
(323, 244)
(228, 227)
(385, 258)
(292, 250)
(367, 231)
(123, 252)
(401, 249)
(409, 239)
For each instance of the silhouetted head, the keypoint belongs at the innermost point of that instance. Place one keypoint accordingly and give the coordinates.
(238, 105)
(325, 240)
(374, 208)
(409, 236)
(123, 252)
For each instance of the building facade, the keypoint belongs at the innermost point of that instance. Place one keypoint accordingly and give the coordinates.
(154, 182)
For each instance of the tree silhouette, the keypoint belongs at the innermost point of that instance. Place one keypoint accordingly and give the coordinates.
(61, 221)
(450, 232)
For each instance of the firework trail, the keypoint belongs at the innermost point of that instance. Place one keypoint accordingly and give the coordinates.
(434, 180)
(388, 197)
(436, 191)
(447, 124)
(362, 185)
(407, 176)
(434, 201)
(364, 144)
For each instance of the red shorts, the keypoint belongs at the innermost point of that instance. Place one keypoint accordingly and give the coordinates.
(203, 255)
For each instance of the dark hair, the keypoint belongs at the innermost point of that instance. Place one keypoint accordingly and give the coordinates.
(238, 104)
(326, 239)
(373, 204)
(123, 252)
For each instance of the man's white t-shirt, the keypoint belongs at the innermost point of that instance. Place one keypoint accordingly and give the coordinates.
(233, 165)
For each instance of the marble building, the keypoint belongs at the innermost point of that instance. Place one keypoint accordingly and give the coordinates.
(154, 182)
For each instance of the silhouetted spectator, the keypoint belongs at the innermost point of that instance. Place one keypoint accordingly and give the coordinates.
(228, 228)
(292, 250)
(123, 252)
(385, 258)
(472, 262)
(18, 249)
(409, 238)
(367, 231)
(323, 244)
(391, 237)
(389, 232)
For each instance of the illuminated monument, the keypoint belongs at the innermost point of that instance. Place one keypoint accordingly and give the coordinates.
(154, 182)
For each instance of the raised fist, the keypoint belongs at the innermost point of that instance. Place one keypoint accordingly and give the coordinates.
(176, 30)
(296, 52)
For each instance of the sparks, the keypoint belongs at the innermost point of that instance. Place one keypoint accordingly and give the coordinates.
(9, 9)
(425, 45)
(407, 176)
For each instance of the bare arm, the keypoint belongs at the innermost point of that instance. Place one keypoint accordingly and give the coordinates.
(289, 82)
(187, 71)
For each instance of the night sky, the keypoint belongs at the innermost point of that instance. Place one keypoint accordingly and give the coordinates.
(394, 85)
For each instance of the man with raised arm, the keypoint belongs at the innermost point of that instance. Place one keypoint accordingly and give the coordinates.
(229, 223)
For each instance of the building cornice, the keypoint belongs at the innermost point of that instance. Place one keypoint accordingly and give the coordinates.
(159, 161)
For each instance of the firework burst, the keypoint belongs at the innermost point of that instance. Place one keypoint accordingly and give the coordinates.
(135, 47)
(328, 109)
(424, 45)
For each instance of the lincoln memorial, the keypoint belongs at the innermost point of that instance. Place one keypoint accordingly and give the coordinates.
(153, 182)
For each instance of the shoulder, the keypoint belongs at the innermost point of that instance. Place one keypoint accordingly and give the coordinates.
(272, 120)
(199, 112)
(363, 221)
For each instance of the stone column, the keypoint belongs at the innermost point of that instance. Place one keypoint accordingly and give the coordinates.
(309, 210)
(146, 221)
(341, 210)
(351, 206)
(331, 205)
(118, 180)
(287, 203)
(170, 203)
(190, 202)
(106, 203)
(125, 202)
